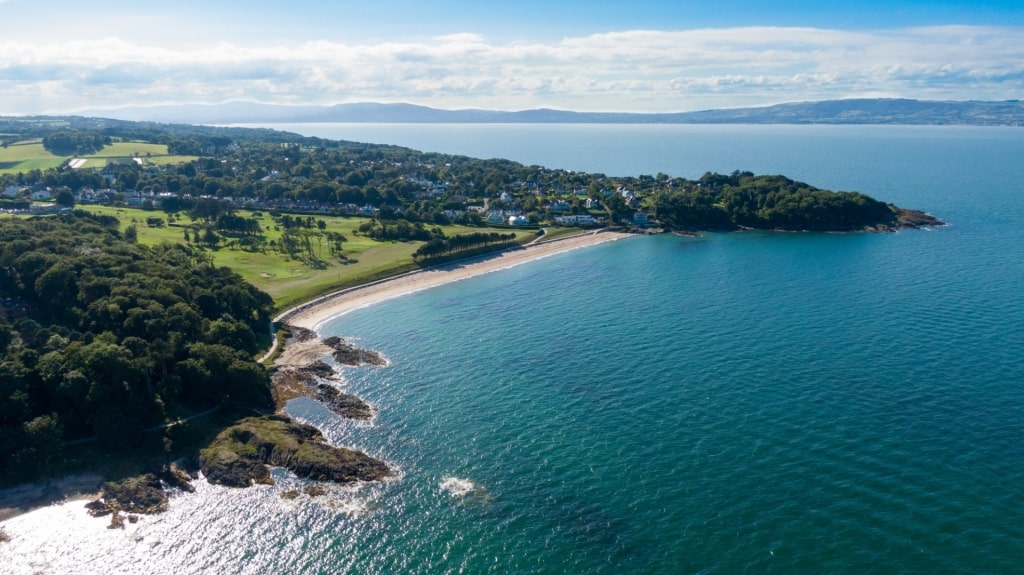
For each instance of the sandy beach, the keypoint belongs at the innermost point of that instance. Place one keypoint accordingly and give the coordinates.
(23, 498)
(312, 315)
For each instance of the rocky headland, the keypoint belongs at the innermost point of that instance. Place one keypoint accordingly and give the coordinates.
(241, 454)
(300, 372)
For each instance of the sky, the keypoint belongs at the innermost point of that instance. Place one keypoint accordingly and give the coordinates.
(63, 56)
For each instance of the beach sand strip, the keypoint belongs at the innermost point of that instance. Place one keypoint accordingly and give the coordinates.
(314, 314)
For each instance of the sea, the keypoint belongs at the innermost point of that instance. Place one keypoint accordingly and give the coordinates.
(748, 402)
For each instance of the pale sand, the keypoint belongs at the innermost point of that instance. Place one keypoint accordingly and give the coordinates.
(24, 498)
(314, 314)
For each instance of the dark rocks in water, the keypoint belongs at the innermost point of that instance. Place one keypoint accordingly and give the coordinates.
(916, 219)
(317, 368)
(349, 354)
(291, 382)
(302, 334)
(142, 494)
(344, 404)
(314, 491)
(97, 508)
(240, 455)
(175, 476)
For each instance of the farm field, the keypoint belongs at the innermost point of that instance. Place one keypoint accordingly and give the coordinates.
(23, 157)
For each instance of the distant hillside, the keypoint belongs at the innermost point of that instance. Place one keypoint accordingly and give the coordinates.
(853, 111)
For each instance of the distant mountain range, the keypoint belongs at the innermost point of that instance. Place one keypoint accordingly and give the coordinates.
(852, 111)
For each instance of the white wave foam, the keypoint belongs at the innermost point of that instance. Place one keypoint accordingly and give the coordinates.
(457, 486)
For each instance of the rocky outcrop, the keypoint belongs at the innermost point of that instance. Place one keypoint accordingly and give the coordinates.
(178, 477)
(916, 219)
(141, 494)
(348, 354)
(239, 456)
(290, 382)
(344, 404)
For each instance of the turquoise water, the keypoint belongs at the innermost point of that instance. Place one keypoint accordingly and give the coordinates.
(755, 402)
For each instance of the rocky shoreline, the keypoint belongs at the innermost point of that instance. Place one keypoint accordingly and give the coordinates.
(301, 372)
(241, 455)
(319, 380)
(140, 495)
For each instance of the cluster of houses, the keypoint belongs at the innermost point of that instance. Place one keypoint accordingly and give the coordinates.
(37, 193)
(510, 213)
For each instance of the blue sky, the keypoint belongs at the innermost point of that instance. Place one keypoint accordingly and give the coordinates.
(599, 55)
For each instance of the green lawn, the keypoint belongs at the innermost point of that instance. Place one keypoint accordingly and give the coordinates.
(25, 157)
(291, 282)
(29, 165)
(170, 159)
(129, 149)
(22, 152)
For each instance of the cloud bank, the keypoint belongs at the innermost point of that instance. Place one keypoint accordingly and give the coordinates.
(642, 70)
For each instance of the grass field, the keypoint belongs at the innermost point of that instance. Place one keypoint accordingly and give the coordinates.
(130, 149)
(24, 157)
(289, 281)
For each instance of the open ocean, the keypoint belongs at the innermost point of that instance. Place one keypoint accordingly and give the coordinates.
(734, 403)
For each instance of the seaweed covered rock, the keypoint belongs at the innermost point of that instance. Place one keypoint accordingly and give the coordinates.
(240, 455)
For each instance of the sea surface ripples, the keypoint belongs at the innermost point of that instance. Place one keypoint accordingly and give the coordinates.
(754, 402)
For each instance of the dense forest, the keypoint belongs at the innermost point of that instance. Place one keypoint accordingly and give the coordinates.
(101, 338)
(765, 202)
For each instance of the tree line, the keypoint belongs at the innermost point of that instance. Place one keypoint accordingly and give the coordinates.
(718, 201)
(102, 338)
(75, 142)
(442, 247)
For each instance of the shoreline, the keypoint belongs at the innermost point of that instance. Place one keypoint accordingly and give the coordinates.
(20, 499)
(313, 315)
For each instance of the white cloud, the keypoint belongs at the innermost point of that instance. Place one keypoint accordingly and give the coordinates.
(632, 70)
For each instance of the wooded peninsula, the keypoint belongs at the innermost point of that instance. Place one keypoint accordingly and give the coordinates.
(142, 263)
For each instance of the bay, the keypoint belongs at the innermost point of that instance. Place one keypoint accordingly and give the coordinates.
(754, 402)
